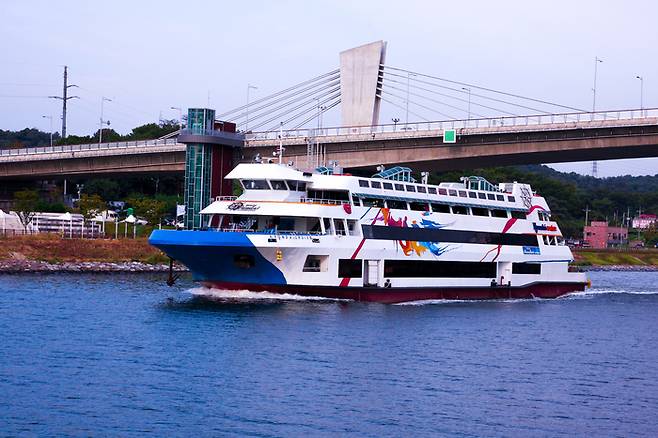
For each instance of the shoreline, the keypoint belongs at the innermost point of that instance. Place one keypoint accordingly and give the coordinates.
(35, 267)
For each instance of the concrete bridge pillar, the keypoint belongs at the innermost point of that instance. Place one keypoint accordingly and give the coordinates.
(360, 75)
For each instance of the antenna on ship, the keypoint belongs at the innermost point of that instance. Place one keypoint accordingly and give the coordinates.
(424, 177)
(279, 153)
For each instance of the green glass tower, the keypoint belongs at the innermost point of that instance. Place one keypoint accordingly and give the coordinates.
(208, 159)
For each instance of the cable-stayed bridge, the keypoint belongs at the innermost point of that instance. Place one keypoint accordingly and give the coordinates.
(367, 113)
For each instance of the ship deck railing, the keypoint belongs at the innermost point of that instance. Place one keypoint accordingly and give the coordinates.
(323, 201)
(274, 232)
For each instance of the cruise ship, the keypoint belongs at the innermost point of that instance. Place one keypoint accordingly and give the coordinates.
(387, 238)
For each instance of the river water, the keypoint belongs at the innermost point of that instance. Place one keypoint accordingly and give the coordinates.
(124, 355)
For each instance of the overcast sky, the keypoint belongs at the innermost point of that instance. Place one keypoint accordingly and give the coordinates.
(148, 56)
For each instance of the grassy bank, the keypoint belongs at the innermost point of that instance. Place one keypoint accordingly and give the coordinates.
(606, 257)
(52, 248)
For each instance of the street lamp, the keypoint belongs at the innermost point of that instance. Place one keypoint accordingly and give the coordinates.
(100, 132)
(641, 93)
(469, 101)
(395, 121)
(596, 64)
(409, 75)
(51, 128)
(249, 87)
(180, 116)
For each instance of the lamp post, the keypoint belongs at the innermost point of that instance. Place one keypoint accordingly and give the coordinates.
(469, 101)
(180, 116)
(596, 65)
(100, 132)
(249, 87)
(51, 128)
(641, 93)
(395, 121)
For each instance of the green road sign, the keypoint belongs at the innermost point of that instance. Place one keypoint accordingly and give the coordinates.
(450, 136)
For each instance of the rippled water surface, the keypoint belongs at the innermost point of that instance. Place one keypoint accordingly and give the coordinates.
(124, 355)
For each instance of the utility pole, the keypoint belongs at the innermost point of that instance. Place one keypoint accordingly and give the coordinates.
(586, 210)
(64, 98)
(100, 132)
(641, 94)
(246, 124)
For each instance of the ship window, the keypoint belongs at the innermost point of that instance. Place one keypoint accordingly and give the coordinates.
(298, 186)
(491, 196)
(355, 200)
(376, 185)
(328, 195)
(462, 193)
(431, 190)
(443, 192)
(351, 227)
(459, 209)
(372, 202)
(411, 188)
(348, 268)
(419, 206)
(499, 213)
(363, 183)
(316, 263)
(452, 192)
(255, 184)
(339, 226)
(327, 225)
(399, 187)
(438, 269)
(526, 268)
(243, 261)
(388, 186)
(398, 205)
(482, 195)
(421, 189)
(547, 240)
(472, 195)
(511, 199)
(500, 197)
(480, 211)
(518, 214)
(440, 208)
(278, 184)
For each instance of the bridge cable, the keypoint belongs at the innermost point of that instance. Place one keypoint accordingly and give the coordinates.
(307, 111)
(435, 101)
(287, 101)
(301, 84)
(485, 89)
(433, 110)
(296, 107)
(466, 92)
(455, 98)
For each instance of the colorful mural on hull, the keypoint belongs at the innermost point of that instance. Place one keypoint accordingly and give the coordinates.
(410, 246)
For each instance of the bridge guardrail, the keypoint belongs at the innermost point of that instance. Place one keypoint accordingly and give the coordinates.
(87, 147)
(489, 122)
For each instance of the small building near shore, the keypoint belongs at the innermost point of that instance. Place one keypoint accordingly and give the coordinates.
(600, 235)
(645, 221)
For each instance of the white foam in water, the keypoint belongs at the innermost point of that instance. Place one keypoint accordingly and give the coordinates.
(594, 292)
(247, 295)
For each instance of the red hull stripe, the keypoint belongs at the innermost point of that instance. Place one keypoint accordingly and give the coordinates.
(398, 295)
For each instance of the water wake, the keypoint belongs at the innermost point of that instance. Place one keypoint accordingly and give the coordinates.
(247, 295)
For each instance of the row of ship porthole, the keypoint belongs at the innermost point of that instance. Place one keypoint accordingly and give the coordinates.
(435, 190)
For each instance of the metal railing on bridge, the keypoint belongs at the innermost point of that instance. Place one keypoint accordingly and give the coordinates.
(88, 147)
(483, 125)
